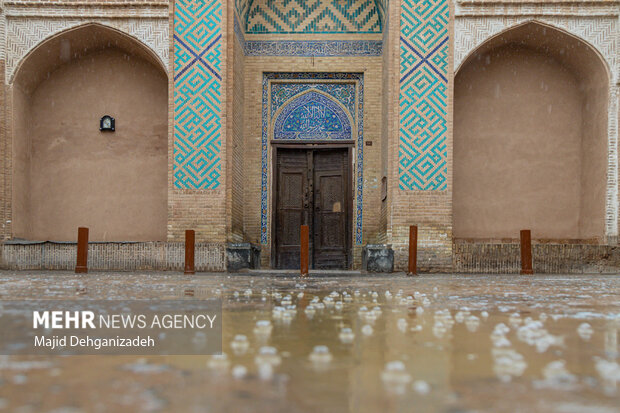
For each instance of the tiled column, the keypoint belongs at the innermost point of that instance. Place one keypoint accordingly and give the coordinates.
(198, 160)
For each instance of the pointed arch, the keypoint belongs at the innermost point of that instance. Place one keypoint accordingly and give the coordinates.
(66, 172)
(514, 33)
(531, 137)
(312, 114)
(76, 41)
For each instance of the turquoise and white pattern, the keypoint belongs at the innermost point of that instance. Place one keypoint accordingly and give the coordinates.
(424, 47)
(197, 94)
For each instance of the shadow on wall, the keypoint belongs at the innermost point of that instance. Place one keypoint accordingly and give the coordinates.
(66, 173)
(530, 137)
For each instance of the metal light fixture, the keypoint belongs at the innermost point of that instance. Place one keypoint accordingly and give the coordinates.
(107, 123)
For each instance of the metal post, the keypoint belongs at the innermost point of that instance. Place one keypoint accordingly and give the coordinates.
(526, 252)
(81, 266)
(304, 259)
(413, 250)
(190, 238)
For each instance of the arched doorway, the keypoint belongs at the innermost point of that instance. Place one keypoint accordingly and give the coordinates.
(530, 137)
(313, 146)
(66, 172)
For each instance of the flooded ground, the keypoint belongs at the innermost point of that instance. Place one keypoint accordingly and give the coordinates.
(435, 343)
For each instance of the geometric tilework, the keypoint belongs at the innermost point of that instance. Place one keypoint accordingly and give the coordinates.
(423, 95)
(241, 7)
(313, 16)
(382, 9)
(314, 48)
(197, 94)
(342, 87)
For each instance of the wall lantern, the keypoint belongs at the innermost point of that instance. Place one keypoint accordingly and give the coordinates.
(106, 123)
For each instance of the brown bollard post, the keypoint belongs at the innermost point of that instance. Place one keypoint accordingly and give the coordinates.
(190, 239)
(81, 265)
(413, 250)
(526, 252)
(305, 241)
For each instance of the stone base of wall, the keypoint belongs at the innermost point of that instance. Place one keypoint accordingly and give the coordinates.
(486, 258)
(111, 256)
(547, 258)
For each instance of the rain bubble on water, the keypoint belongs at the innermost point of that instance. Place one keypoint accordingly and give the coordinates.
(395, 377)
(240, 344)
(267, 355)
(402, 325)
(263, 328)
(556, 376)
(320, 356)
(585, 331)
(219, 363)
(421, 387)
(310, 311)
(508, 363)
(346, 335)
(472, 323)
(515, 320)
(239, 372)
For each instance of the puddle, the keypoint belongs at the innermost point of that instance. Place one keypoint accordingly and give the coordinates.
(367, 344)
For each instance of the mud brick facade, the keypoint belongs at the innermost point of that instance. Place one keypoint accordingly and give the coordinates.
(471, 119)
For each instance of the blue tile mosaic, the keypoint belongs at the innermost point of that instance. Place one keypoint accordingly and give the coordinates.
(316, 48)
(342, 92)
(423, 95)
(312, 16)
(312, 115)
(197, 93)
(307, 48)
(311, 91)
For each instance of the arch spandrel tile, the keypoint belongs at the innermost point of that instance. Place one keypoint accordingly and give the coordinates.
(24, 34)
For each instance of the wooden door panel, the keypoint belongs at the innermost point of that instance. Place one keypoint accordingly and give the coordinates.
(291, 187)
(330, 209)
(291, 206)
(332, 236)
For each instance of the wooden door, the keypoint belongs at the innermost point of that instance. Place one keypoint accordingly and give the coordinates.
(292, 205)
(331, 209)
(312, 188)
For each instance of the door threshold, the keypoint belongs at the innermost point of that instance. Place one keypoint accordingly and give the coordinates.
(312, 273)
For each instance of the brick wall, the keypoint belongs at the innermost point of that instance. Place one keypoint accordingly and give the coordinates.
(130, 256)
(505, 258)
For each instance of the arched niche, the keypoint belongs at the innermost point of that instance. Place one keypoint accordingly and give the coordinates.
(312, 115)
(530, 137)
(66, 172)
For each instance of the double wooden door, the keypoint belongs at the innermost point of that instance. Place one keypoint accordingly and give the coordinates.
(313, 188)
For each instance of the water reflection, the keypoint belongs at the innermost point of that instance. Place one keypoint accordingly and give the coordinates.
(438, 343)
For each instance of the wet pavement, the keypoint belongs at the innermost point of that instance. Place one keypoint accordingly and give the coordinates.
(434, 343)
